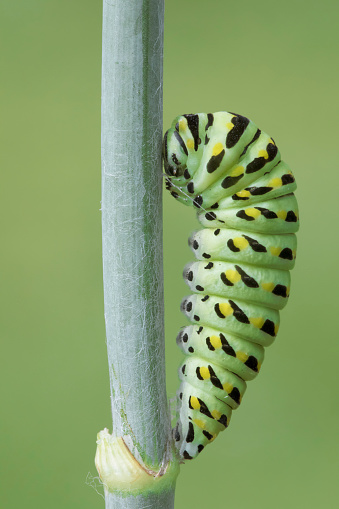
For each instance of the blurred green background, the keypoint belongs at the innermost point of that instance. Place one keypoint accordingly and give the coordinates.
(276, 63)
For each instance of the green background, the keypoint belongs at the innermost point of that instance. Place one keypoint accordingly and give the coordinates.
(276, 63)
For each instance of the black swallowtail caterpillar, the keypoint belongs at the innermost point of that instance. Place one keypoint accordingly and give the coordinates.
(231, 171)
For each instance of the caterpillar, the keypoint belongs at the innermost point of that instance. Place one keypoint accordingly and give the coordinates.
(232, 173)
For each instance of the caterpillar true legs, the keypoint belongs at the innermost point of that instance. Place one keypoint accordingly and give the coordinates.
(231, 171)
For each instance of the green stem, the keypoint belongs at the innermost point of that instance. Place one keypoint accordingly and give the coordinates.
(132, 231)
(155, 501)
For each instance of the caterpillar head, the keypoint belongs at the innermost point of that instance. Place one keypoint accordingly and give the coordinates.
(183, 145)
(174, 154)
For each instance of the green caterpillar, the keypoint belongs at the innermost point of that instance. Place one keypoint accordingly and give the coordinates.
(231, 171)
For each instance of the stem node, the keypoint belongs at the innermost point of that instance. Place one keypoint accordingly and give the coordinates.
(125, 473)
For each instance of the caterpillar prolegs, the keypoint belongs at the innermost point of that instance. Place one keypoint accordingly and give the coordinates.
(232, 173)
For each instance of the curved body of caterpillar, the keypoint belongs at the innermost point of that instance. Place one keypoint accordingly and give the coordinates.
(228, 169)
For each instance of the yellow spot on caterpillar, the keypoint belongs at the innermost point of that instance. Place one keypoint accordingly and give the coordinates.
(190, 144)
(229, 125)
(243, 194)
(276, 182)
(201, 424)
(267, 286)
(195, 403)
(252, 212)
(228, 387)
(242, 356)
(213, 437)
(232, 275)
(216, 414)
(282, 214)
(276, 328)
(271, 141)
(238, 170)
(288, 289)
(225, 309)
(263, 153)
(257, 322)
(182, 124)
(218, 147)
(275, 251)
(259, 366)
(204, 373)
(240, 243)
(294, 253)
(215, 342)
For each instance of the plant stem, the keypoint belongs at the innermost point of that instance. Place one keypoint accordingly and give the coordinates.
(155, 501)
(132, 231)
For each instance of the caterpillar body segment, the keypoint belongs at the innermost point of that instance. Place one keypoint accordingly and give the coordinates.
(213, 379)
(279, 215)
(231, 172)
(242, 357)
(244, 281)
(275, 251)
(255, 323)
